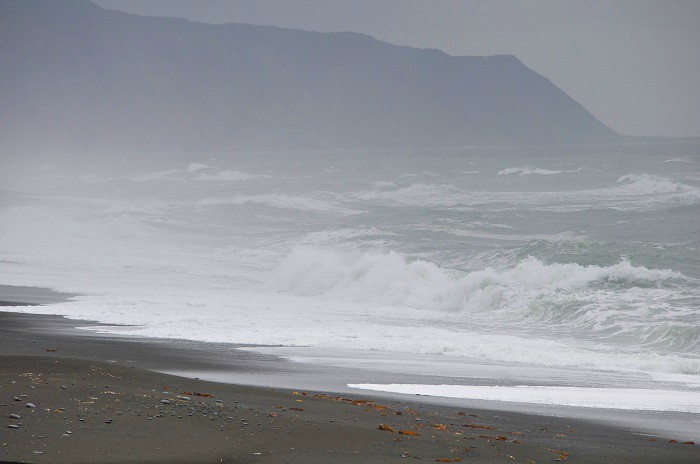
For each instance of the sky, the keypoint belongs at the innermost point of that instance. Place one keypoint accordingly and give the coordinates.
(634, 64)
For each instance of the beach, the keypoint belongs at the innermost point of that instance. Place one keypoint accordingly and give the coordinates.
(247, 233)
(95, 402)
(544, 288)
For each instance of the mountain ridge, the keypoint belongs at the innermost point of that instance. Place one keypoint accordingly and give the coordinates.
(83, 78)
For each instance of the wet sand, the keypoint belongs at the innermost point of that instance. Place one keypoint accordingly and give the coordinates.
(100, 389)
(88, 411)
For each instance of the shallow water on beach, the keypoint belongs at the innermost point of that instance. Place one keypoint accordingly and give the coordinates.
(574, 259)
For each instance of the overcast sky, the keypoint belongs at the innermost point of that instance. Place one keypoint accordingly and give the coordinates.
(635, 64)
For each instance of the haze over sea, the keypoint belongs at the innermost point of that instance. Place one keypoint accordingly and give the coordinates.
(577, 260)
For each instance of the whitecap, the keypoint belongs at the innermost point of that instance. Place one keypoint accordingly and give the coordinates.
(526, 171)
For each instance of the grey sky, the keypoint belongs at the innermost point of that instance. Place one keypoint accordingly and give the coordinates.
(635, 64)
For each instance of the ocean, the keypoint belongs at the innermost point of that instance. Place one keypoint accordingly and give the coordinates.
(572, 267)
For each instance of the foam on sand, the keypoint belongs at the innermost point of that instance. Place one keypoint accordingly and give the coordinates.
(585, 397)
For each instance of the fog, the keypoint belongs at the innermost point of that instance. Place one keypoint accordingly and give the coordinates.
(340, 200)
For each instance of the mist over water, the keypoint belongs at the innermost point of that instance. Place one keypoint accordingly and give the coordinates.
(585, 258)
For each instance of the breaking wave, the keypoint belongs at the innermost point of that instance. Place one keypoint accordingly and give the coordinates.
(526, 171)
(195, 171)
(645, 184)
(631, 192)
(279, 201)
(621, 306)
(395, 279)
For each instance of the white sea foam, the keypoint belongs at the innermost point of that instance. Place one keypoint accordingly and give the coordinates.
(585, 397)
(195, 171)
(394, 279)
(512, 237)
(528, 170)
(225, 175)
(177, 256)
(158, 175)
(417, 195)
(348, 236)
(282, 319)
(645, 184)
(384, 185)
(329, 298)
(631, 192)
(301, 203)
(195, 167)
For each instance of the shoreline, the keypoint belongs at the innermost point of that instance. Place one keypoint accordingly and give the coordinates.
(44, 352)
(90, 411)
(327, 430)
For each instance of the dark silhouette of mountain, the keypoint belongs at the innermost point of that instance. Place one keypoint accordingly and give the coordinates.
(77, 77)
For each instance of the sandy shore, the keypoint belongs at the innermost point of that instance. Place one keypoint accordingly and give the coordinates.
(94, 402)
(87, 411)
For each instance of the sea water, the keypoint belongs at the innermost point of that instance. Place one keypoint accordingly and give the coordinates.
(557, 266)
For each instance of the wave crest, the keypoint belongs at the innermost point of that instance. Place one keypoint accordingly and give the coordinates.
(395, 279)
(528, 170)
(646, 184)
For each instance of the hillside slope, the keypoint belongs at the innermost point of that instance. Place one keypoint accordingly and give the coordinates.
(76, 77)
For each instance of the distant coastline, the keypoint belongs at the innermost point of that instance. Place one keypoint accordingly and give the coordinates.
(142, 84)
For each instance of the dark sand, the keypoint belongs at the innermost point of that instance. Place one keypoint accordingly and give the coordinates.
(114, 413)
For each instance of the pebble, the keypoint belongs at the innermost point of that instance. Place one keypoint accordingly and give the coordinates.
(31, 405)
(108, 421)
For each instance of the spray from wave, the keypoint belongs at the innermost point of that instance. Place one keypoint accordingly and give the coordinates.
(392, 278)
(603, 304)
